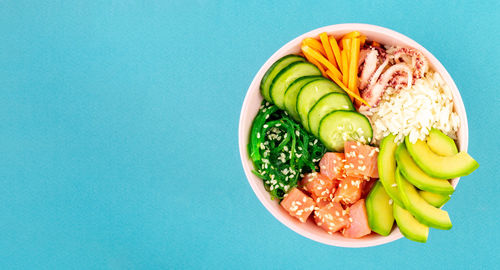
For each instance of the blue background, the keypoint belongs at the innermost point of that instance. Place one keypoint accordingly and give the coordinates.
(118, 133)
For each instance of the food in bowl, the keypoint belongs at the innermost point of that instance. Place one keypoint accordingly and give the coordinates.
(357, 136)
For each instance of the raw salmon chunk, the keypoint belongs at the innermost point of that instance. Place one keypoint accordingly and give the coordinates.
(332, 165)
(358, 221)
(298, 204)
(349, 190)
(331, 217)
(360, 159)
(317, 184)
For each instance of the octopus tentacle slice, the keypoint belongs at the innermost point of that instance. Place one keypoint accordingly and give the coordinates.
(415, 59)
(397, 76)
(370, 65)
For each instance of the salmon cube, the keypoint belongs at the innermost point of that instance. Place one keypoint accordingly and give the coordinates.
(322, 201)
(317, 184)
(358, 221)
(367, 187)
(332, 165)
(331, 217)
(360, 159)
(349, 190)
(298, 204)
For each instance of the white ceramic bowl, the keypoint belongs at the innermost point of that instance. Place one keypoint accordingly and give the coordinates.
(253, 100)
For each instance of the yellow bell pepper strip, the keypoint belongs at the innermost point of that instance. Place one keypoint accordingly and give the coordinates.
(336, 52)
(315, 44)
(328, 49)
(316, 55)
(349, 92)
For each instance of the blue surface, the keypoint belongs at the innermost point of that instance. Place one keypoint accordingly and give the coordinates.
(118, 134)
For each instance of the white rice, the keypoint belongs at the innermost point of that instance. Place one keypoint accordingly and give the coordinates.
(414, 111)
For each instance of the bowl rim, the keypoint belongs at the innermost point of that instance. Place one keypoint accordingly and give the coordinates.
(242, 134)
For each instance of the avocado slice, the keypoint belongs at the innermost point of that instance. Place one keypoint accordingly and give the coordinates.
(460, 164)
(409, 226)
(379, 210)
(441, 144)
(419, 208)
(434, 199)
(417, 177)
(387, 167)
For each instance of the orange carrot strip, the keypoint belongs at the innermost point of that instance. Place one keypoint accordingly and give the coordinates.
(336, 52)
(353, 34)
(345, 68)
(316, 63)
(328, 48)
(353, 66)
(375, 44)
(362, 40)
(316, 55)
(346, 44)
(337, 81)
(315, 44)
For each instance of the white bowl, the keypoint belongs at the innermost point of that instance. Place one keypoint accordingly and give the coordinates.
(253, 100)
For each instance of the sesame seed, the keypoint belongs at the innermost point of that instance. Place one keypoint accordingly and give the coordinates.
(394, 185)
(258, 135)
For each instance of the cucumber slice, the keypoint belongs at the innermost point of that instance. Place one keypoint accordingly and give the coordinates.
(419, 208)
(379, 210)
(325, 105)
(286, 76)
(340, 126)
(387, 168)
(291, 94)
(417, 177)
(310, 94)
(409, 226)
(268, 77)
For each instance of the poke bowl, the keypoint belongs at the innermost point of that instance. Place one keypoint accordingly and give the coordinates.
(253, 103)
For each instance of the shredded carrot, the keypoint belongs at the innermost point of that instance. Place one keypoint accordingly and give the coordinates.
(353, 66)
(317, 64)
(315, 44)
(375, 44)
(345, 68)
(316, 55)
(349, 92)
(328, 48)
(336, 52)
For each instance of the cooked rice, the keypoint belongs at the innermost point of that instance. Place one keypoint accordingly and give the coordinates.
(414, 111)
